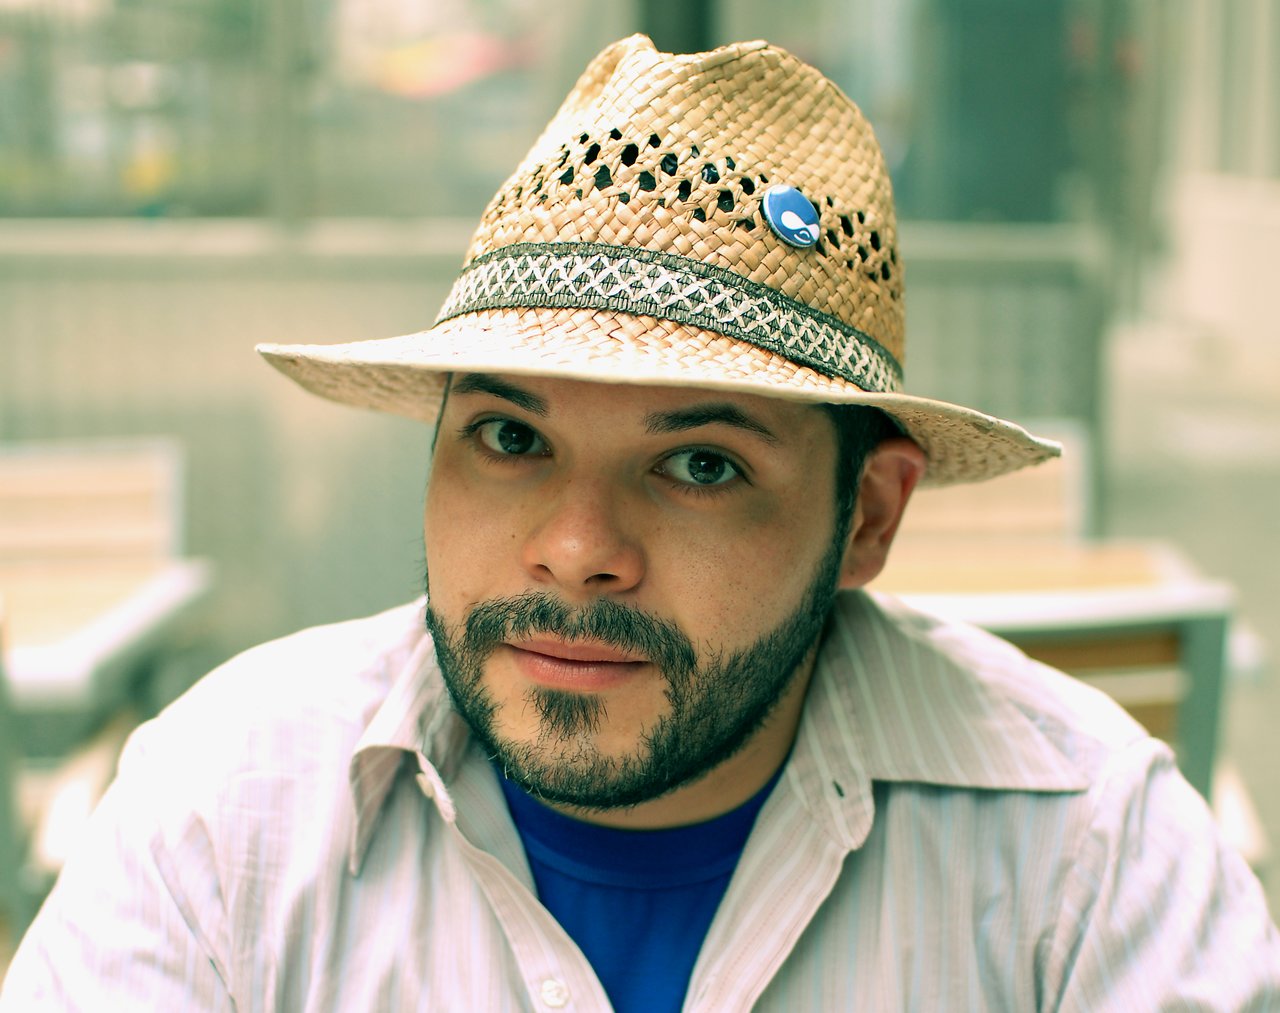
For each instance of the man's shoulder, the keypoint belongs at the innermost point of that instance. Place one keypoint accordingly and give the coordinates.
(1088, 727)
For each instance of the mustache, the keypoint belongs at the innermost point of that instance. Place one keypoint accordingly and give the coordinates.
(494, 622)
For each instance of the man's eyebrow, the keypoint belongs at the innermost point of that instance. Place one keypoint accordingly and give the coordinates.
(483, 383)
(712, 413)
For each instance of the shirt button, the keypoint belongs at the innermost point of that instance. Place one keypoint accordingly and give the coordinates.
(555, 993)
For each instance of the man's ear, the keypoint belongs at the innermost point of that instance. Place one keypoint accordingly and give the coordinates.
(888, 477)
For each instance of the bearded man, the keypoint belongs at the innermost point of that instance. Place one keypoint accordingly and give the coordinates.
(647, 743)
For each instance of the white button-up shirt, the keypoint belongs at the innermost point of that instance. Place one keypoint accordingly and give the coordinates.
(312, 828)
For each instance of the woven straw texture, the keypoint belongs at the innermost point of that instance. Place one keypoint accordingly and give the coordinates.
(674, 153)
(629, 246)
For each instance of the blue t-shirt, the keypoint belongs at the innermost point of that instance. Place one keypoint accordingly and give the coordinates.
(637, 902)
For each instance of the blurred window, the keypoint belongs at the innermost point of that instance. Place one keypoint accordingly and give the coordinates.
(291, 108)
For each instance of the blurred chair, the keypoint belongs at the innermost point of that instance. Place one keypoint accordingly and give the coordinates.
(44, 806)
(97, 588)
(95, 594)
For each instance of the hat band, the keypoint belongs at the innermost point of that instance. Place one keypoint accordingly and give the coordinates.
(649, 283)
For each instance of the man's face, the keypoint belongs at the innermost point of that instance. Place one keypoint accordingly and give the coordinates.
(627, 583)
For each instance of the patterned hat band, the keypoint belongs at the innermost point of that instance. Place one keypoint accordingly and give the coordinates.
(650, 283)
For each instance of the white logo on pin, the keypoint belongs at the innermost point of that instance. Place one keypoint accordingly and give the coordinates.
(792, 218)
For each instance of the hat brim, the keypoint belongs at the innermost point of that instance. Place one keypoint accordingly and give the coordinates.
(405, 376)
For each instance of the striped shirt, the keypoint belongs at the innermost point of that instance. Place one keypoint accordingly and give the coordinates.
(957, 828)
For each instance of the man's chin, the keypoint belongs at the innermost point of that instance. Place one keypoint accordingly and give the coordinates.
(577, 772)
(581, 730)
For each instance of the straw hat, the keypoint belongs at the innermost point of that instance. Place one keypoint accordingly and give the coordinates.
(718, 220)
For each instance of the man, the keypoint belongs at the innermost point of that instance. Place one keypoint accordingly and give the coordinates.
(634, 749)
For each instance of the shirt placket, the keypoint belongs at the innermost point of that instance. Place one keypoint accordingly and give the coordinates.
(554, 973)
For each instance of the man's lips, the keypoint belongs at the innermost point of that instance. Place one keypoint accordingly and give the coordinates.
(580, 665)
(578, 650)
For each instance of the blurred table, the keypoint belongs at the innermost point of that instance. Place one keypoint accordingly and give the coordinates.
(81, 636)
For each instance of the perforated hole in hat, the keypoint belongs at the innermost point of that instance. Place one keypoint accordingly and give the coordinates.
(694, 184)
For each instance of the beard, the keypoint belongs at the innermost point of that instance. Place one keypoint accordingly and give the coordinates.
(716, 702)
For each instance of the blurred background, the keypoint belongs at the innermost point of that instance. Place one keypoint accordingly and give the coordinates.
(1090, 192)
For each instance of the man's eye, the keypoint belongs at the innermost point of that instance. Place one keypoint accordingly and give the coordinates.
(700, 467)
(510, 438)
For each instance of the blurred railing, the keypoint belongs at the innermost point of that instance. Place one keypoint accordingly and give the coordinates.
(312, 512)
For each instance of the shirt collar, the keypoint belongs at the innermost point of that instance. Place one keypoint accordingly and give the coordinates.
(414, 720)
(898, 696)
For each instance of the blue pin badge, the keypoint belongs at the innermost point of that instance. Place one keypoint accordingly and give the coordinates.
(792, 218)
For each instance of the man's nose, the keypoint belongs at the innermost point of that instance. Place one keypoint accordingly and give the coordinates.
(580, 541)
